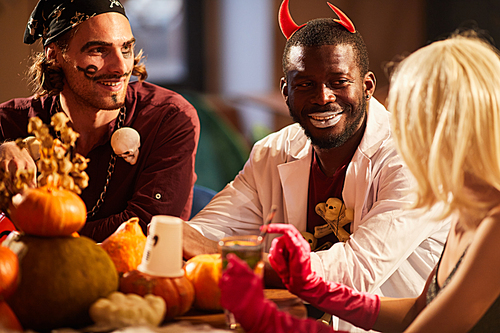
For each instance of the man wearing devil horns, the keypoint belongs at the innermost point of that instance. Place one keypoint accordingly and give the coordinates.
(337, 167)
(84, 71)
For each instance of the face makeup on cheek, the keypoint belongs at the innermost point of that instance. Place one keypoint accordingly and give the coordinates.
(99, 61)
(110, 81)
(89, 71)
(102, 91)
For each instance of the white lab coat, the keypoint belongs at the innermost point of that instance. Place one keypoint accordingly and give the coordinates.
(391, 251)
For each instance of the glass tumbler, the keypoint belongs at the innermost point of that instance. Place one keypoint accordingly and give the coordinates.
(248, 248)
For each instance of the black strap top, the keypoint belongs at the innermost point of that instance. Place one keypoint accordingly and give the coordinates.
(490, 322)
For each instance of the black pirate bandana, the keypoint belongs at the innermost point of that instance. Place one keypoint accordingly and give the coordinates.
(52, 18)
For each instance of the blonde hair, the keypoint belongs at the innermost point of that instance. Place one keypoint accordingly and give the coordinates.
(445, 102)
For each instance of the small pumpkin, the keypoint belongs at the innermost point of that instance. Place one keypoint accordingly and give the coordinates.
(8, 319)
(6, 227)
(177, 292)
(9, 272)
(204, 273)
(48, 211)
(126, 245)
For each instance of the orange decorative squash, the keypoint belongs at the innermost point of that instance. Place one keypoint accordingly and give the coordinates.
(48, 211)
(8, 319)
(126, 246)
(177, 292)
(9, 271)
(6, 227)
(204, 272)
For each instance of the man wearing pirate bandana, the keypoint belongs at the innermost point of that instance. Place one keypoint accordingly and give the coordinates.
(335, 174)
(84, 71)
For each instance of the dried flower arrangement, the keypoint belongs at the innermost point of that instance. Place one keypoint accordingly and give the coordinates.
(57, 165)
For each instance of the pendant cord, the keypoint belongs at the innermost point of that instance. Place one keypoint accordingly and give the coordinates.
(111, 165)
(111, 169)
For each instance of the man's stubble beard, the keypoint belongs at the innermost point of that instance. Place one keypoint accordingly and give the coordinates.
(114, 101)
(87, 97)
(336, 140)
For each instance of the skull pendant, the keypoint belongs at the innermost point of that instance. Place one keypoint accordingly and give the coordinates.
(125, 143)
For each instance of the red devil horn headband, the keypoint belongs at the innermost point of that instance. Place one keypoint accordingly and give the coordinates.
(288, 26)
(344, 20)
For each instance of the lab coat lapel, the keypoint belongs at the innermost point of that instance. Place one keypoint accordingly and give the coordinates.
(357, 182)
(359, 172)
(294, 177)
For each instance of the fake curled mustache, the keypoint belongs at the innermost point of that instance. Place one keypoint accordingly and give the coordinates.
(91, 70)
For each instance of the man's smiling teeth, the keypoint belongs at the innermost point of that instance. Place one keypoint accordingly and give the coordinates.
(322, 118)
(112, 84)
(325, 119)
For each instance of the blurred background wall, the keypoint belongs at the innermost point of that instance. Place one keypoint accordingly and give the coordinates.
(225, 55)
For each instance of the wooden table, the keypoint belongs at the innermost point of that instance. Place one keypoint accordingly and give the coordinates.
(205, 322)
(282, 297)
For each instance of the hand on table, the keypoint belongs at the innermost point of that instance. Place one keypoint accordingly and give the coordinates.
(194, 243)
(242, 293)
(290, 257)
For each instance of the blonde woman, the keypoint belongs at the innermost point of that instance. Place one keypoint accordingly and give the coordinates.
(445, 101)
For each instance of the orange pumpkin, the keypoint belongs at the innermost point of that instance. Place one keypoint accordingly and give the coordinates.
(204, 272)
(8, 319)
(178, 292)
(6, 227)
(126, 245)
(9, 272)
(49, 212)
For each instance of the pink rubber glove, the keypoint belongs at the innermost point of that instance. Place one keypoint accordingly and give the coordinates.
(242, 293)
(289, 256)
